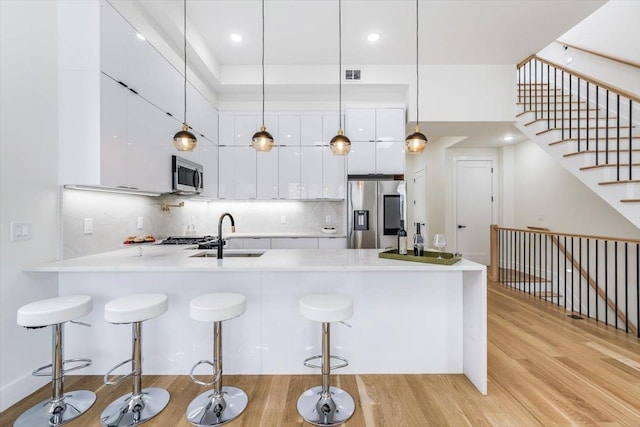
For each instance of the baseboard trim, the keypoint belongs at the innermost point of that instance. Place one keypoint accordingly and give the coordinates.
(19, 389)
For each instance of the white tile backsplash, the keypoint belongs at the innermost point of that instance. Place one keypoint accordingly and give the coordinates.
(115, 217)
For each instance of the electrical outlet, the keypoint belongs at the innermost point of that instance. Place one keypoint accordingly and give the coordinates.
(140, 222)
(327, 219)
(88, 226)
(20, 230)
(283, 219)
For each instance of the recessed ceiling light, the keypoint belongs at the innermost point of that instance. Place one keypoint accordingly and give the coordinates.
(508, 138)
(236, 38)
(570, 60)
(373, 37)
(140, 36)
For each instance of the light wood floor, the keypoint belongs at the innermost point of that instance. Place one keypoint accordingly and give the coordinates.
(544, 369)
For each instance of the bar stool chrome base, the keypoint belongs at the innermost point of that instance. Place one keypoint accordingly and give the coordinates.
(326, 409)
(130, 410)
(55, 413)
(215, 409)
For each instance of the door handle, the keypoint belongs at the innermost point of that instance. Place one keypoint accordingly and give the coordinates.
(462, 226)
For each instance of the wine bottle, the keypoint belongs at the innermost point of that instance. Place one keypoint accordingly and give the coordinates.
(402, 239)
(418, 242)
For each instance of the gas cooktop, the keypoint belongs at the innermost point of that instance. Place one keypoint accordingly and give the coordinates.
(186, 240)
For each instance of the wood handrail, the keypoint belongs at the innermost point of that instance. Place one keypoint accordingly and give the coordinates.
(600, 54)
(583, 236)
(584, 77)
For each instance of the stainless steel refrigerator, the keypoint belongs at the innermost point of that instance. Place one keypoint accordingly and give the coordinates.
(374, 211)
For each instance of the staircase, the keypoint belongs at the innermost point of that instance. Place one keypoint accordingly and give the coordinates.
(591, 128)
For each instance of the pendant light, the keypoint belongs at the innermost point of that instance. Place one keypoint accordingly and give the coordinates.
(417, 141)
(185, 140)
(262, 140)
(340, 144)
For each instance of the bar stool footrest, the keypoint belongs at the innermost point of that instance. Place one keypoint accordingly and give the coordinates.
(38, 372)
(344, 361)
(216, 374)
(119, 379)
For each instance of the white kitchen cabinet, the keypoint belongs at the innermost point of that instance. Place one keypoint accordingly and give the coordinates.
(244, 128)
(330, 126)
(311, 172)
(209, 161)
(361, 124)
(377, 140)
(332, 243)
(226, 165)
(248, 243)
(289, 173)
(288, 129)
(245, 173)
(113, 133)
(362, 158)
(294, 243)
(311, 129)
(334, 179)
(390, 157)
(267, 174)
(390, 124)
(114, 39)
(226, 125)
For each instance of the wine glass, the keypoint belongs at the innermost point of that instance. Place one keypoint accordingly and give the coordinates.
(440, 242)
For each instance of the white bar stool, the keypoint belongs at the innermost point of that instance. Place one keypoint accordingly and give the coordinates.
(326, 405)
(141, 404)
(62, 407)
(221, 404)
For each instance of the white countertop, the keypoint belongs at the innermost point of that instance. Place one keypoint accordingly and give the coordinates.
(292, 235)
(179, 258)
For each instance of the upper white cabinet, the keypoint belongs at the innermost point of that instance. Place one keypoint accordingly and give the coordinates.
(299, 167)
(245, 173)
(377, 138)
(115, 93)
(288, 130)
(267, 174)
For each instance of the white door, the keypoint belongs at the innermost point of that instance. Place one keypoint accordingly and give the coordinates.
(474, 208)
(420, 201)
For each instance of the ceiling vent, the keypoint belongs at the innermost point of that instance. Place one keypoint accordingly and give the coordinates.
(352, 74)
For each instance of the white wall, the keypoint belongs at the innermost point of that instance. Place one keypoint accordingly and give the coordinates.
(566, 204)
(28, 178)
(115, 217)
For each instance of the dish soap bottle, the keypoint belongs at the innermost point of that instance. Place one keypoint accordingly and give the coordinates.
(418, 242)
(402, 239)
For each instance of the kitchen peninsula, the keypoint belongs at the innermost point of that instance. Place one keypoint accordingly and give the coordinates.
(408, 317)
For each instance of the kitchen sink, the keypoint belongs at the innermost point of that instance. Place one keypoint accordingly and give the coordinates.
(227, 254)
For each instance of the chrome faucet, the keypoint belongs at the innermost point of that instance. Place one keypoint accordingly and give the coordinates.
(233, 230)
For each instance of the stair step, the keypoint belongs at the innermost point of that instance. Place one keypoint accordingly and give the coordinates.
(603, 128)
(572, 119)
(559, 111)
(545, 104)
(613, 152)
(628, 181)
(602, 139)
(533, 84)
(624, 166)
(630, 200)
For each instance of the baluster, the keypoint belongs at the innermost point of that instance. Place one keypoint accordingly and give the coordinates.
(606, 132)
(562, 102)
(548, 99)
(626, 286)
(571, 123)
(638, 290)
(588, 125)
(606, 282)
(598, 124)
(555, 97)
(618, 140)
(572, 277)
(570, 103)
(565, 272)
(588, 278)
(615, 280)
(630, 141)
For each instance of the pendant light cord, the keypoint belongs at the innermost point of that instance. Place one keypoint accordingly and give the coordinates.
(185, 62)
(262, 62)
(340, 62)
(417, 69)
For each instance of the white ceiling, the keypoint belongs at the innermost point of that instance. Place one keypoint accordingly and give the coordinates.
(305, 33)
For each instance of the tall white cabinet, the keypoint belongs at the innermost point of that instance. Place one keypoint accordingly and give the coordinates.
(377, 140)
(121, 102)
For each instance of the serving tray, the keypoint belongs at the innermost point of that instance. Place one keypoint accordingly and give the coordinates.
(428, 257)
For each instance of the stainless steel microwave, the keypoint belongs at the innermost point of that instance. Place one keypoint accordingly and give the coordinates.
(187, 176)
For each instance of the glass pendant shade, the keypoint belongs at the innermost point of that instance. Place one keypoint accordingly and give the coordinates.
(416, 142)
(340, 144)
(262, 140)
(184, 140)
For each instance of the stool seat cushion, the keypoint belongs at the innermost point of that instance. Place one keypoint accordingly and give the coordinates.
(326, 307)
(51, 311)
(135, 308)
(217, 307)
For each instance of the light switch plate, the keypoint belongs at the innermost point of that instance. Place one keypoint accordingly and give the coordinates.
(140, 222)
(88, 226)
(20, 230)
(283, 219)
